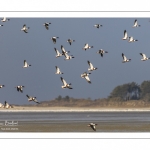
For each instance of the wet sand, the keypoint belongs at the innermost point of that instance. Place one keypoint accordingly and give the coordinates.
(75, 121)
(76, 127)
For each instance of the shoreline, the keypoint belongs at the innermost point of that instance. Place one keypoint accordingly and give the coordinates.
(65, 109)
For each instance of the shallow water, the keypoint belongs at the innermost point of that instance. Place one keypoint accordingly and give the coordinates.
(75, 121)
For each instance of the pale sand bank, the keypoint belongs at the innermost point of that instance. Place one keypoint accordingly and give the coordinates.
(73, 109)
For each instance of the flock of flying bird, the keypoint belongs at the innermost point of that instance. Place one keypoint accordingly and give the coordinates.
(65, 53)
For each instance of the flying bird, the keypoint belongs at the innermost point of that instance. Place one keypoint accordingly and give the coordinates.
(97, 25)
(86, 76)
(65, 84)
(58, 54)
(70, 41)
(2, 86)
(91, 66)
(25, 29)
(125, 58)
(30, 98)
(4, 19)
(20, 88)
(86, 46)
(131, 39)
(125, 35)
(67, 57)
(101, 52)
(54, 39)
(136, 24)
(26, 64)
(58, 71)
(144, 57)
(92, 125)
(64, 51)
(47, 25)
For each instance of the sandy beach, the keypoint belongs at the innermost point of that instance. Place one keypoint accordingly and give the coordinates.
(72, 109)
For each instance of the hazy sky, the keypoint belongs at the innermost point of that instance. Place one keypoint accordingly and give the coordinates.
(37, 48)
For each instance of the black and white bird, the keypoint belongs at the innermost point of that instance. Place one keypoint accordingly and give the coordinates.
(25, 29)
(1, 25)
(70, 41)
(101, 52)
(131, 39)
(98, 25)
(58, 70)
(144, 57)
(125, 35)
(67, 57)
(65, 84)
(92, 125)
(30, 98)
(2, 86)
(64, 51)
(26, 64)
(6, 105)
(136, 24)
(86, 76)
(125, 58)
(86, 46)
(5, 19)
(46, 24)
(54, 39)
(91, 66)
(20, 88)
(58, 54)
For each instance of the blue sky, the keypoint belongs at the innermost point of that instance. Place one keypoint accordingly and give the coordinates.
(37, 48)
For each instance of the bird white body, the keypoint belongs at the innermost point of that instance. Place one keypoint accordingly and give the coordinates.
(65, 84)
(125, 35)
(125, 58)
(131, 39)
(25, 29)
(58, 70)
(86, 76)
(86, 46)
(91, 66)
(26, 64)
(144, 57)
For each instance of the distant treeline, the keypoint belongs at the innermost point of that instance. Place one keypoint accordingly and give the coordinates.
(126, 95)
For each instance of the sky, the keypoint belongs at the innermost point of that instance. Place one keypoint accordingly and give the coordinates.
(37, 48)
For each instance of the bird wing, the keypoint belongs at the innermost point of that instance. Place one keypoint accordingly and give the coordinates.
(93, 127)
(25, 63)
(63, 81)
(87, 79)
(125, 33)
(141, 55)
(86, 45)
(91, 66)
(144, 56)
(135, 22)
(124, 57)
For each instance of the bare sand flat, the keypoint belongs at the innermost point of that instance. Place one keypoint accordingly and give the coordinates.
(71, 109)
